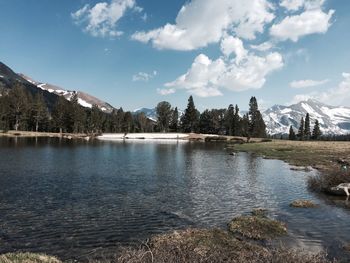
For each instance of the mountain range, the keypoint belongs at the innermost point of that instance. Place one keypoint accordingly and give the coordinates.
(278, 118)
(8, 78)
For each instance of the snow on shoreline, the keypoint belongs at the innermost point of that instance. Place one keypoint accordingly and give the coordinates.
(143, 136)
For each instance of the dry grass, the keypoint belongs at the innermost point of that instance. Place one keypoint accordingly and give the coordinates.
(257, 227)
(30, 134)
(303, 204)
(211, 246)
(322, 155)
(27, 258)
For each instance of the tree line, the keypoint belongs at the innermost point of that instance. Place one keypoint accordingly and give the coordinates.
(20, 110)
(304, 131)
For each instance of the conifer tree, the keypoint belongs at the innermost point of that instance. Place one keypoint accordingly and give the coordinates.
(128, 122)
(19, 106)
(301, 130)
(40, 112)
(205, 123)
(257, 127)
(164, 114)
(95, 120)
(229, 120)
(292, 135)
(174, 125)
(59, 114)
(236, 122)
(77, 114)
(307, 130)
(190, 119)
(316, 132)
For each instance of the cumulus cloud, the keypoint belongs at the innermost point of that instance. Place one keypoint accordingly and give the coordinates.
(207, 77)
(309, 22)
(339, 95)
(263, 46)
(101, 19)
(143, 76)
(299, 84)
(292, 5)
(165, 92)
(202, 22)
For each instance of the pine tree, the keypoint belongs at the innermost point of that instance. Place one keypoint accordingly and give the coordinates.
(141, 122)
(307, 131)
(174, 125)
(301, 130)
(95, 120)
(40, 111)
(164, 114)
(59, 114)
(205, 123)
(128, 122)
(291, 134)
(19, 106)
(257, 127)
(4, 113)
(236, 122)
(190, 119)
(77, 114)
(316, 132)
(245, 125)
(229, 120)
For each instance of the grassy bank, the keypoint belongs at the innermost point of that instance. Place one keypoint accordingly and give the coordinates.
(321, 155)
(31, 134)
(325, 156)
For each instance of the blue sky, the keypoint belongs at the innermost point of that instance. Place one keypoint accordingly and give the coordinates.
(135, 53)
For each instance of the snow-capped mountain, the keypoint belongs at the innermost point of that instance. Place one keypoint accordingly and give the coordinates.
(84, 99)
(152, 113)
(333, 120)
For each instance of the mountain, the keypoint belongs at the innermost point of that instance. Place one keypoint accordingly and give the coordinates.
(152, 113)
(84, 99)
(333, 120)
(8, 79)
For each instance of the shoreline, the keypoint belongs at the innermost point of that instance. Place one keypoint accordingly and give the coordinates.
(323, 156)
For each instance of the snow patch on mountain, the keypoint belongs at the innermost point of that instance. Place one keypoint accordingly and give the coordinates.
(84, 99)
(333, 120)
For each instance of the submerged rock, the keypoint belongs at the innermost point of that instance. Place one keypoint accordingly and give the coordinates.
(303, 204)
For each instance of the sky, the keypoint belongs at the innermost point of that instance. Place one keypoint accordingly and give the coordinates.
(136, 53)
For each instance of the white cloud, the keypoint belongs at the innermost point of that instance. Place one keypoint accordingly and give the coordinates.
(230, 45)
(309, 22)
(263, 46)
(101, 19)
(292, 5)
(299, 84)
(339, 95)
(202, 22)
(143, 76)
(165, 92)
(206, 77)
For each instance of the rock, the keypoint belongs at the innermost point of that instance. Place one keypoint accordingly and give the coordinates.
(303, 204)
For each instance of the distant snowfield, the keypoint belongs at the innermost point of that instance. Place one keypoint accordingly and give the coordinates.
(143, 136)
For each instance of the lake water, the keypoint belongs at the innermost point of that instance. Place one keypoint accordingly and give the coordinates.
(74, 199)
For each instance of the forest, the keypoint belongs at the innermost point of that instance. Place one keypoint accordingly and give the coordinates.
(21, 110)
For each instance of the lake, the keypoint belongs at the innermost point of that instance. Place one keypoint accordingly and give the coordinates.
(74, 199)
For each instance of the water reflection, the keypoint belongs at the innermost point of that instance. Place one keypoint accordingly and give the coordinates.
(72, 198)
